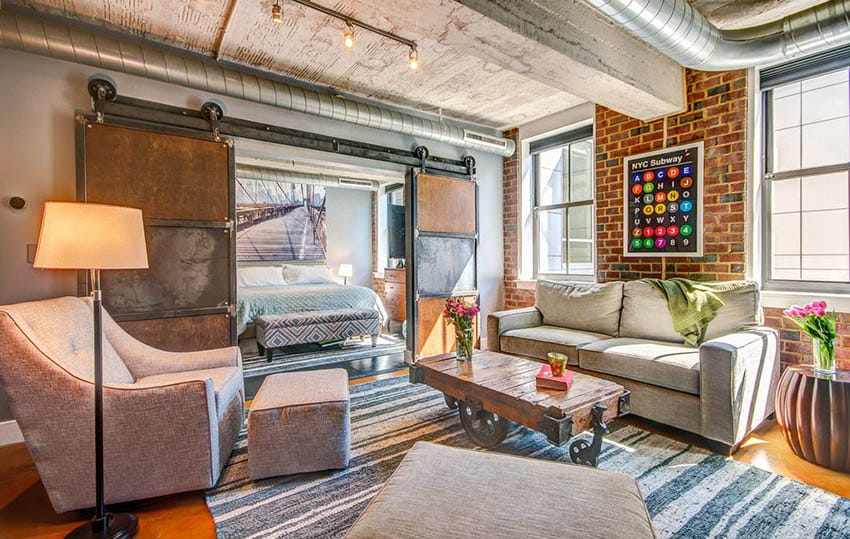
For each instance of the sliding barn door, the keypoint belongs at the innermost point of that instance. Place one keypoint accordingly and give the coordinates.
(442, 247)
(184, 184)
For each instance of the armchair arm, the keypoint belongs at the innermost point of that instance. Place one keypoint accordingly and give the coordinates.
(500, 322)
(738, 377)
(144, 360)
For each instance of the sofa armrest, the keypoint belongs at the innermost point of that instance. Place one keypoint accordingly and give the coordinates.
(738, 377)
(502, 321)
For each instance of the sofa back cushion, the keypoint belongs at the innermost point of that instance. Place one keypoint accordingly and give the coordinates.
(646, 316)
(63, 329)
(591, 307)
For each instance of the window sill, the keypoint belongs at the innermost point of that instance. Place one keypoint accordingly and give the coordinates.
(531, 284)
(783, 300)
(526, 284)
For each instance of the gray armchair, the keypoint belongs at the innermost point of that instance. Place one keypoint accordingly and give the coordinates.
(170, 419)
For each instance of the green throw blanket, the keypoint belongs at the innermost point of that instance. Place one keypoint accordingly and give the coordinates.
(692, 305)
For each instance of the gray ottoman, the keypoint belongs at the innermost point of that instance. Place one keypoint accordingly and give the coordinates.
(299, 422)
(442, 492)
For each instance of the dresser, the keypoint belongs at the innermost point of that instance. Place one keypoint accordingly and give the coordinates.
(395, 298)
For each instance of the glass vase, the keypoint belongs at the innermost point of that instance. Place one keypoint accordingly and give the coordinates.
(823, 352)
(463, 352)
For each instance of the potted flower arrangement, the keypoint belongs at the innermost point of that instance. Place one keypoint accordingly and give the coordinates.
(461, 314)
(819, 325)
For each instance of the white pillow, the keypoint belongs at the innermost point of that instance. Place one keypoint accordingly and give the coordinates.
(307, 275)
(257, 276)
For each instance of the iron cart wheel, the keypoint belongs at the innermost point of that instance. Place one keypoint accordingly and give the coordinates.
(485, 428)
(451, 402)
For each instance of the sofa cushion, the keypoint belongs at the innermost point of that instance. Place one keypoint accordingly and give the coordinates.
(657, 363)
(227, 383)
(646, 315)
(593, 307)
(538, 341)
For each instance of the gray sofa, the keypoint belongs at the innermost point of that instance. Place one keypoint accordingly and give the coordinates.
(624, 332)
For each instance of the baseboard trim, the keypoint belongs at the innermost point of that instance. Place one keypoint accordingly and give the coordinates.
(10, 433)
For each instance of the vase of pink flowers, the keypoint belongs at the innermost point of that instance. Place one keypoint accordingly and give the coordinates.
(819, 325)
(461, 314)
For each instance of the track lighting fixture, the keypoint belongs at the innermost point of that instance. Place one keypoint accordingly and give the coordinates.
(413, 58)
(348, 36)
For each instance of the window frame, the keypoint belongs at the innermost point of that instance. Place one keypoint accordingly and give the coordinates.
(561, 141)
(767, 177)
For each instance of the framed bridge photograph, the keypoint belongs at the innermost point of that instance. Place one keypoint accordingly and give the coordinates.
(280, 222)
(663, 201)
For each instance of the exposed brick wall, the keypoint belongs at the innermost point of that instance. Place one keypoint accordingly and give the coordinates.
(512, 228)
(377, 282)
(717, 115)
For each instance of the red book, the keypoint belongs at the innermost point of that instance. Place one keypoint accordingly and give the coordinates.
(545, 380)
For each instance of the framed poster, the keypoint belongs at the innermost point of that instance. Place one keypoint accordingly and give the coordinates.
(663, 202)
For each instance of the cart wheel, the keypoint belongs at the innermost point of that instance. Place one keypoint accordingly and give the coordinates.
(485, 428)
(451, 402)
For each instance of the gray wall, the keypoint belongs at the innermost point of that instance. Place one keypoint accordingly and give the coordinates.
(349, 220)
(39, 97)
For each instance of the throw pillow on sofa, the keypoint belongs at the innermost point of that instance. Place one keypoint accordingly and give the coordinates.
(593, 307)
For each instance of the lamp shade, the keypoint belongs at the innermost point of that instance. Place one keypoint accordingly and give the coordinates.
(345, 270)
(80, 235)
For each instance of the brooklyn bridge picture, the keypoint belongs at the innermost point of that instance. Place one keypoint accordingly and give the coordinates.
(279, 222)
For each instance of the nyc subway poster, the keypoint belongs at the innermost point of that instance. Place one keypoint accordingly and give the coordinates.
(663, 202)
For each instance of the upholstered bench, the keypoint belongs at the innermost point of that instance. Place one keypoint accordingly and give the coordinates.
(445, 492)
(279, 330)
(299, 422)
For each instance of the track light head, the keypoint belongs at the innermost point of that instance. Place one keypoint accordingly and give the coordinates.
(277, 13)
(413, 58)
(348, 36)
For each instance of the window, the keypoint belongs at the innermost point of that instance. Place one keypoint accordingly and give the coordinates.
(563, 204)
(806, 167)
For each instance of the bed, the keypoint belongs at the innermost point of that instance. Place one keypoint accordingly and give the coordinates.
(255, 301)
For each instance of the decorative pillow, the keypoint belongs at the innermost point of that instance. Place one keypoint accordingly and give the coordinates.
(257, 276)
(593, 307)
(308, 275)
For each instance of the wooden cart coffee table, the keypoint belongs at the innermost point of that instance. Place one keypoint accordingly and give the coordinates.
(496, 388)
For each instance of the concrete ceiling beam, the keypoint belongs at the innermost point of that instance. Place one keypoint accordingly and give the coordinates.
(565, 45)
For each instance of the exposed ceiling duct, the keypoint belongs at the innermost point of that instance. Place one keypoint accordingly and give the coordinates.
(85, 44)
(681, 32)
(248, 172)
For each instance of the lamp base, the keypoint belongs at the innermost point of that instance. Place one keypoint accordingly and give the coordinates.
(121, 526)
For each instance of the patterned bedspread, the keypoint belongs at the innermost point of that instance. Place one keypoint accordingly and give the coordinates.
(253, 302)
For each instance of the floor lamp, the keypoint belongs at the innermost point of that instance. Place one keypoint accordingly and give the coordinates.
(94, 237)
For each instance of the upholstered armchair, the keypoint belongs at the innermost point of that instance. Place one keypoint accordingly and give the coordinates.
(170, 419)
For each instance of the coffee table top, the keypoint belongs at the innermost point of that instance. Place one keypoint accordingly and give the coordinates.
(515, 377)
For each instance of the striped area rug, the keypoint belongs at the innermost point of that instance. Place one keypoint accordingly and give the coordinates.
(690, 492)
(313, 356)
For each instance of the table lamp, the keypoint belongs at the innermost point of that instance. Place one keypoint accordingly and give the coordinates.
(345, 271)
(94, 237)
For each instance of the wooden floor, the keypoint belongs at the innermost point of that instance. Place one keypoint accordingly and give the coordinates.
(26, 512)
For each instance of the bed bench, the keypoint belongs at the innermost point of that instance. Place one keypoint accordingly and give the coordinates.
(279, 330)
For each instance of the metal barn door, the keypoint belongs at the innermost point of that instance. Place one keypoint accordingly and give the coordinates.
(441, 257)
(184, 184)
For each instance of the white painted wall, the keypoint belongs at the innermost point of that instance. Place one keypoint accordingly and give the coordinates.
(39, 97)
(349, 220)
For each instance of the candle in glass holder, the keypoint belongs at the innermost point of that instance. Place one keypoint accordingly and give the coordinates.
(557, 362)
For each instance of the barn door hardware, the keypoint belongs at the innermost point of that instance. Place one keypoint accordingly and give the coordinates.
(101, 89)
(469, 162)
(214, 112)
(422, 153)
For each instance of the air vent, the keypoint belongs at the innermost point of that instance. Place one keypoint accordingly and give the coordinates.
(486, 140)
(357, 184)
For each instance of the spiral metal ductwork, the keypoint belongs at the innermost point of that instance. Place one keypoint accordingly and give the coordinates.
(681, 32)
(84, 44)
